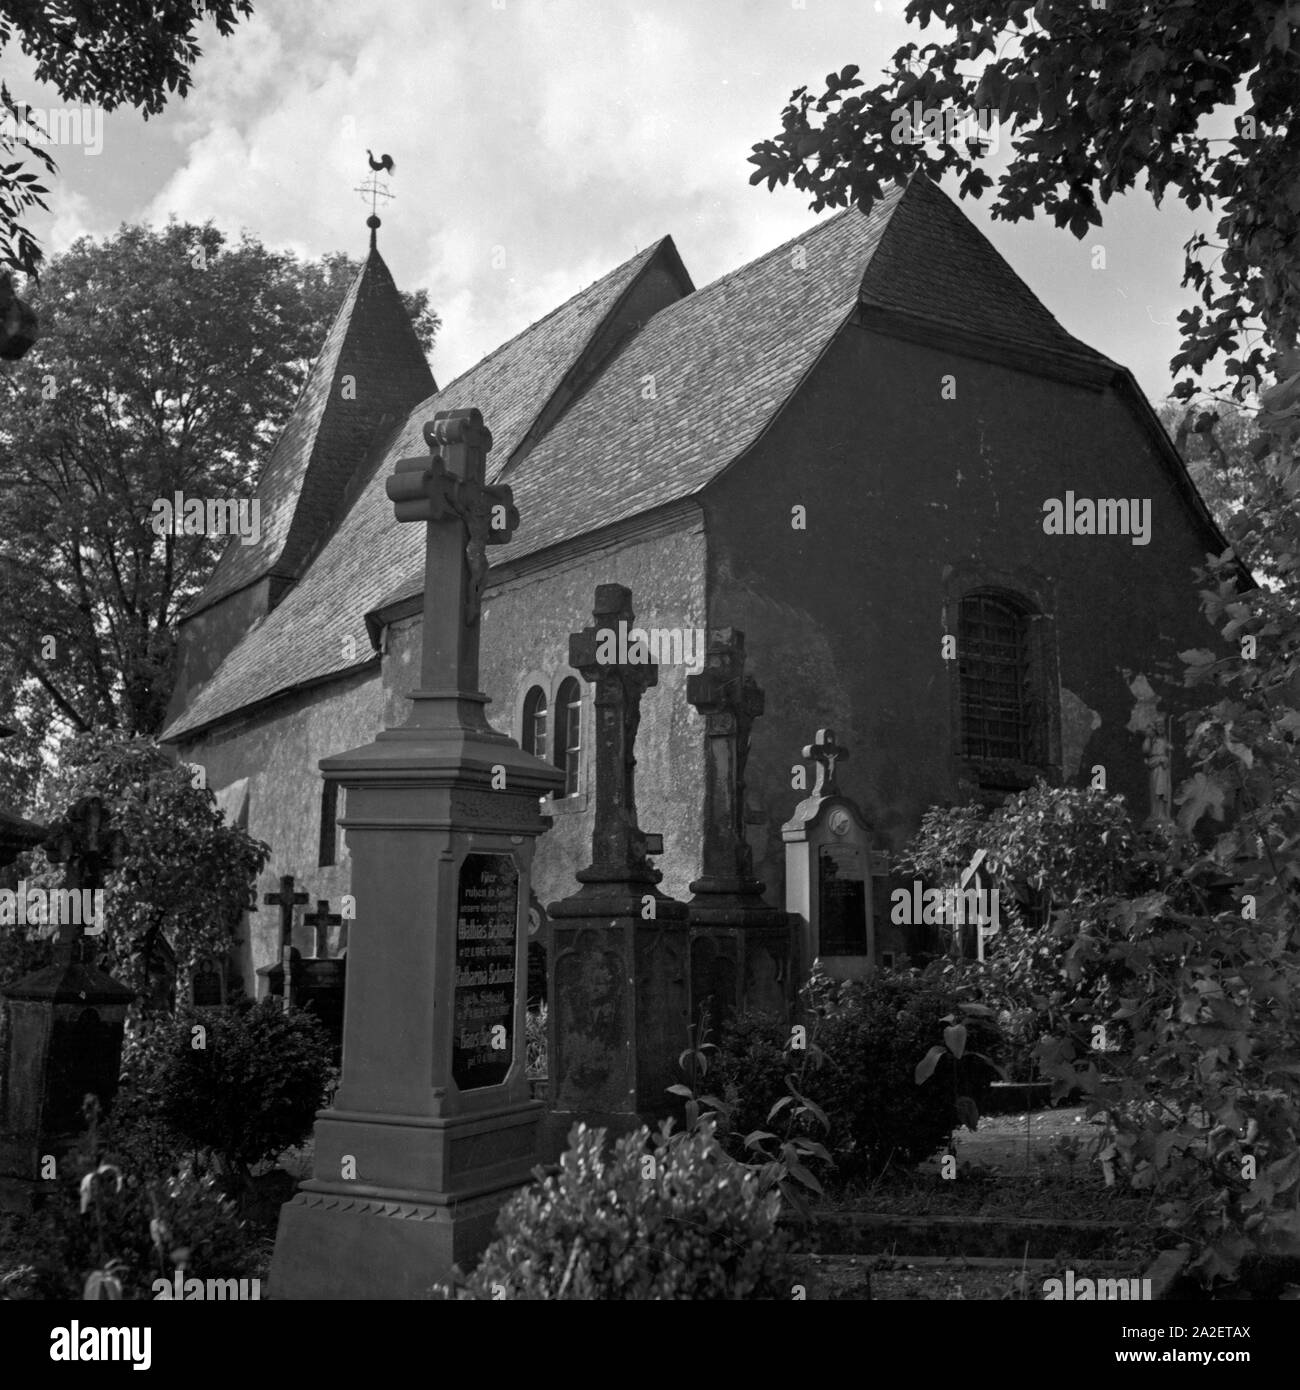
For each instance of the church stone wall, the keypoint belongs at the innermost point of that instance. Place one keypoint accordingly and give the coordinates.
(278, 752)
(909, 494)
(526, 625)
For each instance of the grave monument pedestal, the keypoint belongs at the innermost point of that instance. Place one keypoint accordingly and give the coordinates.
(741, 949)
(432, 1127)
(619, 968)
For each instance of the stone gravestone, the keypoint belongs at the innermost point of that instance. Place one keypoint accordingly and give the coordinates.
(741, 949)
(432, 1126)
(828, 871)
(324, 976)
(618, 996)
(290, 967)
(65, 1022)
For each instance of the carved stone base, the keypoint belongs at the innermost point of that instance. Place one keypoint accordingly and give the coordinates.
(619, 1009)
(445, 1181)
(742, 958)
(343, 1245)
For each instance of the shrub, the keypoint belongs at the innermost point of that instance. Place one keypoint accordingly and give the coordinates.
(251, 1091)
(140, 1231)
(657, 1216)
(185, 873)
(535, 1042)
(109, 1232)
(871, 1036)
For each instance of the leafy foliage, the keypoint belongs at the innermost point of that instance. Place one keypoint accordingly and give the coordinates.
(109, 1231)
(1054, 842)
(535, 1041)
(186, 874)
(1102, 99)
(657, 1216)
(132, 52)
(870, 1036)
(169, 361)
(251, 1090)
(781, 1160)
(1198, 978)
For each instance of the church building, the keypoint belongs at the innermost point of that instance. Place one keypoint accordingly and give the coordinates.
(949, 531)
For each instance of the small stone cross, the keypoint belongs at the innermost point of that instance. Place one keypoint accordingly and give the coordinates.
(826, 753)
(322, 920)
(286, 899)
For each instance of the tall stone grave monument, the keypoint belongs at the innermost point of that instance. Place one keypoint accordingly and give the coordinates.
(64, 1023)
(432, 1125)
(741, 949)
(828, 871)
(619, 1006)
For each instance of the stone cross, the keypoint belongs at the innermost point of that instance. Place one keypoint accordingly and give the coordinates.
(618, 845)
(730, 700)
(322, 920)
(464, 517)
(286, 899)
(826, 753)
(84, 841)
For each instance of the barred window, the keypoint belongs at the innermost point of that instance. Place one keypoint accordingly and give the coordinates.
(329, 820)
(534, 731)
(568, 733)
(993, 660)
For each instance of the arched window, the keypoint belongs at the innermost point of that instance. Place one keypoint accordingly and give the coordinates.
(568, 733)
(534, 730)
(994, 672)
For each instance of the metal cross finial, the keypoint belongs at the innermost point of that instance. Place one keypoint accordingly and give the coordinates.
(826, 753)
(374, 188)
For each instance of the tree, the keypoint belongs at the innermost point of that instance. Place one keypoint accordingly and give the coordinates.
(170, 364)
(1101, 97)
(1248, 488)
(133, 52)
(186, 877)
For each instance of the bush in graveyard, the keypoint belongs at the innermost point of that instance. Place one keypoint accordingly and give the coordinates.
(1046, 848)
(654, 1216)
(186, 874)
(1197, 981)
(108, 1232)
(871, 1035)
(251, 1090)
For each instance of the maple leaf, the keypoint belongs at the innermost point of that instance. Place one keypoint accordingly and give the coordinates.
(1198, 795)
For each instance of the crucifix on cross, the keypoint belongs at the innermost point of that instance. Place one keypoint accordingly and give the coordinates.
(447, 490)
(825, 752)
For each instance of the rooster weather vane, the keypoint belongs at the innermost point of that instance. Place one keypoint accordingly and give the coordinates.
(375, 188)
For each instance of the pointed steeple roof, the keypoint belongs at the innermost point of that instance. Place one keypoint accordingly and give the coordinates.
(370, 373)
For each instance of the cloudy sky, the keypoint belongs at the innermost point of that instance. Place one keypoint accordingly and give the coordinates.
(566, 133)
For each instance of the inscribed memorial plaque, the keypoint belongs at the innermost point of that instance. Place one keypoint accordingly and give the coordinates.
(842, 901)
(487, 916)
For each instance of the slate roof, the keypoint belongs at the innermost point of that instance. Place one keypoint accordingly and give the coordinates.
(721, 363)
(328, 436)
(303, 639)
(935, 263)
